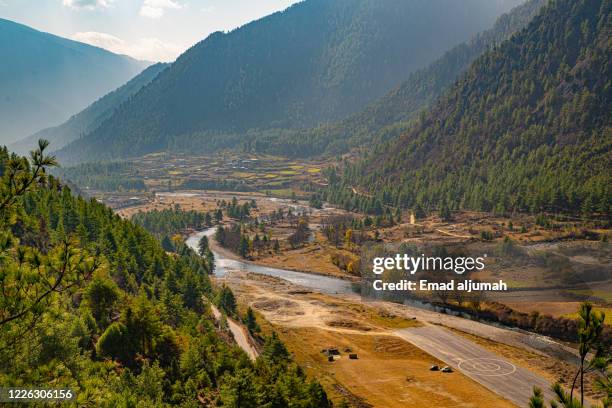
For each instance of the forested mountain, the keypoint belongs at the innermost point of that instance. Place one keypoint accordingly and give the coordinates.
(44, 78)
(317, 61)
(526, 128)
(91, 117)
(390, 115)
(93, 303)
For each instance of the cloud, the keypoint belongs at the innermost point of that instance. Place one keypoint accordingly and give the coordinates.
(87, 4)
(151, 12)
(149, 49)
(157, 8)
(207, 9)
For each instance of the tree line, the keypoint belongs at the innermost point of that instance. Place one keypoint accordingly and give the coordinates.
(171, 221)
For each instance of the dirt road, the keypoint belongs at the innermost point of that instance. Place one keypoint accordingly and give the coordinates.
(240, 334)
(492, 371)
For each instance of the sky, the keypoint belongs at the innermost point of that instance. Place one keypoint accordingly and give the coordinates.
(151, 30)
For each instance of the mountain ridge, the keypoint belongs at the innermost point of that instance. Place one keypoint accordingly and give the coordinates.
(255, 77)
(40, 68)
(91, 117)
(390, 115)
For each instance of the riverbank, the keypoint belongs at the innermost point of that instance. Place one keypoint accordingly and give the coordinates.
(265, 262)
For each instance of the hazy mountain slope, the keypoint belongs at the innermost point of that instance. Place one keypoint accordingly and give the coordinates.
(527, 128)
(389, 115)
(44, 78)
(317, 61)
(91, 117)
(428, 84)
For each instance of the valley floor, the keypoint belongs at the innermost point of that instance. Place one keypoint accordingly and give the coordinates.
(395, 344)
(388, 372)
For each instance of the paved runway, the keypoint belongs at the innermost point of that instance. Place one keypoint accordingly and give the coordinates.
(492, 371)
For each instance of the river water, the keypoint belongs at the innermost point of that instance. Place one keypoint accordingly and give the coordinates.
(319, 283)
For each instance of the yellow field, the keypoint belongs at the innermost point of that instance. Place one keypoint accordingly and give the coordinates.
(606, 310)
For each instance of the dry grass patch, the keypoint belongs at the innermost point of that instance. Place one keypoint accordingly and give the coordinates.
(389, 372)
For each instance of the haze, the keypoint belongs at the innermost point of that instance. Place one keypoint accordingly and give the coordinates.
(151, 30)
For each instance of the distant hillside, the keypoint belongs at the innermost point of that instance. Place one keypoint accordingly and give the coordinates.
(91, 117)
(317, 61)
(390, 115)
(526, 128)
(44, 78)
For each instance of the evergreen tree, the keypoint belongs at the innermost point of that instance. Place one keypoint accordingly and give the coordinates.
(251, 322)
(226, 301)
(274, 350)
(243, 249)
(203, 245)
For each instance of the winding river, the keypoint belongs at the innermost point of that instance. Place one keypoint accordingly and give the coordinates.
(319, 283)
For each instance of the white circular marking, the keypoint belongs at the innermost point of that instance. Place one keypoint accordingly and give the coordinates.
(487, 367)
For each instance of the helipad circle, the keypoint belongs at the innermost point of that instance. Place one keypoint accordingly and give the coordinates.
(487, 367)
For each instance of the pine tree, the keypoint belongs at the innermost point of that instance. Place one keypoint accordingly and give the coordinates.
(251, 322)
(243, 249)
(274, 351)
(203, 245)
(226, 301)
